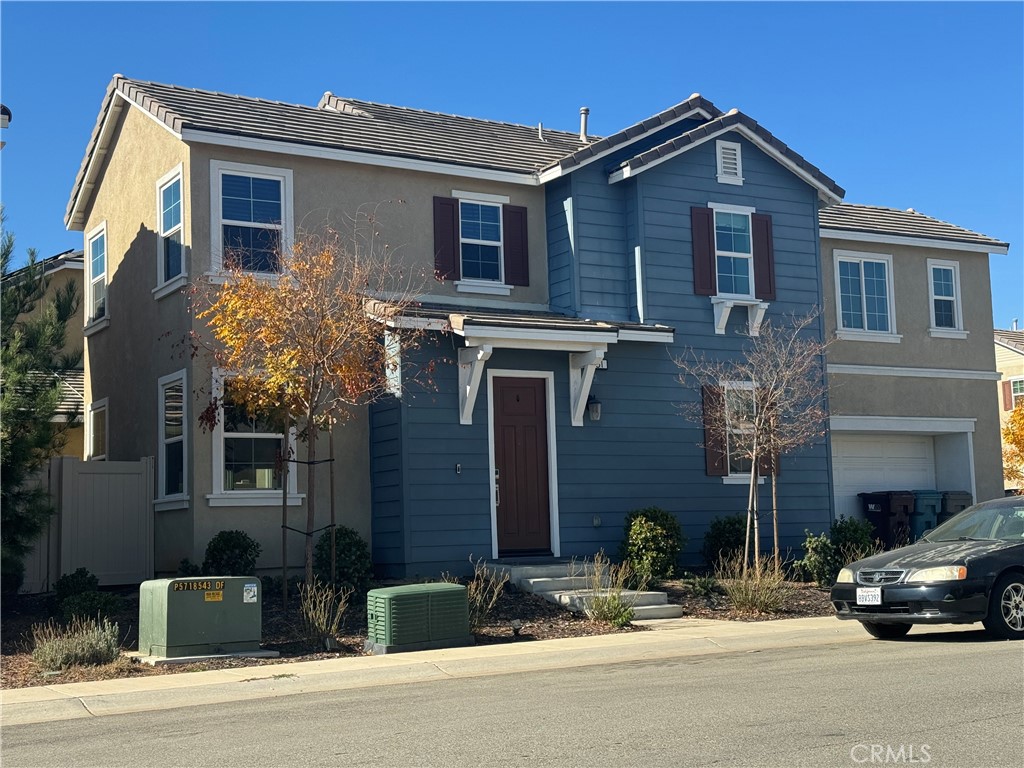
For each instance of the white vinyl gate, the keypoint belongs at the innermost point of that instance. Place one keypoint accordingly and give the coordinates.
(103, 521)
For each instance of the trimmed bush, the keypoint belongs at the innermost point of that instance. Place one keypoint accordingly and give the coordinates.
(653, 541)
(352, 565)
(83, 641)
(76, 583)
(848, 539)
(187, 568)
(724, 538)
(91, 605)
(231, 553)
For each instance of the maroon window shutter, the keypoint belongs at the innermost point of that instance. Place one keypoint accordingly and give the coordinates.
(702, 229)
(446, 238)
(764, 257)
(714, 446)
(1007, 396)
(768, 465)
(517, 255)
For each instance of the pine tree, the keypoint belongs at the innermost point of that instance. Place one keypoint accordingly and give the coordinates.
(32, 357)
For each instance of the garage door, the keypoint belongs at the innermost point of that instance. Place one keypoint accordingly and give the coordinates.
(883, 462)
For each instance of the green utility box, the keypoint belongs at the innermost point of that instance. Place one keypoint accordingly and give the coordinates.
(200, 616)
(417, 617)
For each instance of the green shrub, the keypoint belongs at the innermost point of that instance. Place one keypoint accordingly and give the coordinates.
(653, 541)
(759, 588)
(848, 539)
(724, 538)
(704, 585)
(187, 568)
(853, 538)
(352, 566)
(83, 641)
(90, 605)
(231, 553)
(76, 583)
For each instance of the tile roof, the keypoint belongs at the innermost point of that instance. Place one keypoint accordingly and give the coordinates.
(893, 221)
(1013, 339)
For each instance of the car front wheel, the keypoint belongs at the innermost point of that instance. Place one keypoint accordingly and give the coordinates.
(1006, 608)
(885, 631)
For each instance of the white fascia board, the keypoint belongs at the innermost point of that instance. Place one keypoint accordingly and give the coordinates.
(538, 345)
(1010, 347)
(537, 334)
(823, 192)
(920, 242)
(921, 373)
(363, 158)
(921, 425)
(558, 171)
(662, 337)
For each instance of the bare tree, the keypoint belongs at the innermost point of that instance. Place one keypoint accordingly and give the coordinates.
(767, 401)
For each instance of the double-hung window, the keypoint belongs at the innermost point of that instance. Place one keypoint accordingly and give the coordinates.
(864, 296)
(96, 430)
(251, 215)
(734, 253)
(480, 240)
(170, 224)
(1016, 392)
(944, 294)
(96, 254)
(740, 412)
(173, 436)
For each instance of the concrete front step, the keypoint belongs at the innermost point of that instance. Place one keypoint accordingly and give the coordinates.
(555, 584)
(578, 599)
(519, 573)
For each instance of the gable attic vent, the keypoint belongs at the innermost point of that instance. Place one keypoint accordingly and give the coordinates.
(332, 103)
(730, 162)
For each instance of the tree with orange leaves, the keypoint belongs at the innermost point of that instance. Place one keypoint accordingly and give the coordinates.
(312, 342)
(1013, 446)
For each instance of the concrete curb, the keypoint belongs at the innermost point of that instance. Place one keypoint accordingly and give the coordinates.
(676, 638)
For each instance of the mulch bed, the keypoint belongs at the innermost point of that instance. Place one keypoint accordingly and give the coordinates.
(540, 620)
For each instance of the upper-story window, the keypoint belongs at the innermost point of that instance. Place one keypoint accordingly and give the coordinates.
(734, 254)
(480, 243)
(252, 219)
(170, 223)
(864, 296)
(96, 252)
(944, 293)
(729, 159)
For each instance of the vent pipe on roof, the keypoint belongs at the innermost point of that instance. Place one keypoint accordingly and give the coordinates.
(540, 131)
(584, 111)
(1014, 324)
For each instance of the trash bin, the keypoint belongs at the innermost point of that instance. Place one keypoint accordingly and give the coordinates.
(889, 512)
(926, 512)
(953, 502)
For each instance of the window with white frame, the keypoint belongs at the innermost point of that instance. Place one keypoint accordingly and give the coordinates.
(1016, 392)
(734, 253)
(480, 242)
(173, 435)
(740, 411)
(864, 293)
(170, 263)
(944, 293)
(729, 161)
(96, 428)
(252, 218)
(96, 253)
(251, 447)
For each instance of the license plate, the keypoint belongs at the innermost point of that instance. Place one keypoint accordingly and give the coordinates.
(869, 595)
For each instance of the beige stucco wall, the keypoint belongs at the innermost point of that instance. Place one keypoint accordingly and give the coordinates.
(331, 192)
(1010, 363)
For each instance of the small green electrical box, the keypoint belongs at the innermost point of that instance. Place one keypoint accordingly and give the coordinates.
(417, 617)
(203, 616)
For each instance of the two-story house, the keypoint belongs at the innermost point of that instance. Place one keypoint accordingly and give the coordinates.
(1009, 348)
(911, 367)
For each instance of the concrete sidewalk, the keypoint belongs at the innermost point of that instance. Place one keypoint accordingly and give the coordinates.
(672, 638)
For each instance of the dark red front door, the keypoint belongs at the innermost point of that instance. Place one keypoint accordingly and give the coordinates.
(521, 464)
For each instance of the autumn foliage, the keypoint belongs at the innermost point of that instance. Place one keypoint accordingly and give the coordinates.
(1013, 446)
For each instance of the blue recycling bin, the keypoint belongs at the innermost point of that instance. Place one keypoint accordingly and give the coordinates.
(925, 514)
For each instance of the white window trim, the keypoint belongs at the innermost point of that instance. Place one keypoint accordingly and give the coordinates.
(934, 330)
(90, 427)
(162, 383)
(220, 497)
(728, 178)
(480, 197)
(734, 478)
(217, 169)
(859, 334)
(748, 212)
(167, 287)
(92, 325)
(473, 284)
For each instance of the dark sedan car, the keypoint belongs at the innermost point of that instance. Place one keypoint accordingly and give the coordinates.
(970, 568)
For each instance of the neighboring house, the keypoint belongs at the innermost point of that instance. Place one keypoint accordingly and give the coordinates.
(60, 269)
(571, 270)
(911, 368)
(1010, 363)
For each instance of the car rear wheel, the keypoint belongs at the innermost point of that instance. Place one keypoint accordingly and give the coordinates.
(885, 631)
(1006, 608)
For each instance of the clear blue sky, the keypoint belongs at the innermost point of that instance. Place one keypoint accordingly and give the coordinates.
(909, 105)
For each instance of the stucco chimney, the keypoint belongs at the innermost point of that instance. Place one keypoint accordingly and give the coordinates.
(584, 111)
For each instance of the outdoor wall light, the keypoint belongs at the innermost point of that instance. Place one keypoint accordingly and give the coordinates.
(594, 408)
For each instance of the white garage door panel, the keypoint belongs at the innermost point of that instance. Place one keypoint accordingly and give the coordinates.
(879, 463)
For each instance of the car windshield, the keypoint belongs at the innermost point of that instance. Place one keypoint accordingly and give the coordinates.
(1001, 520)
